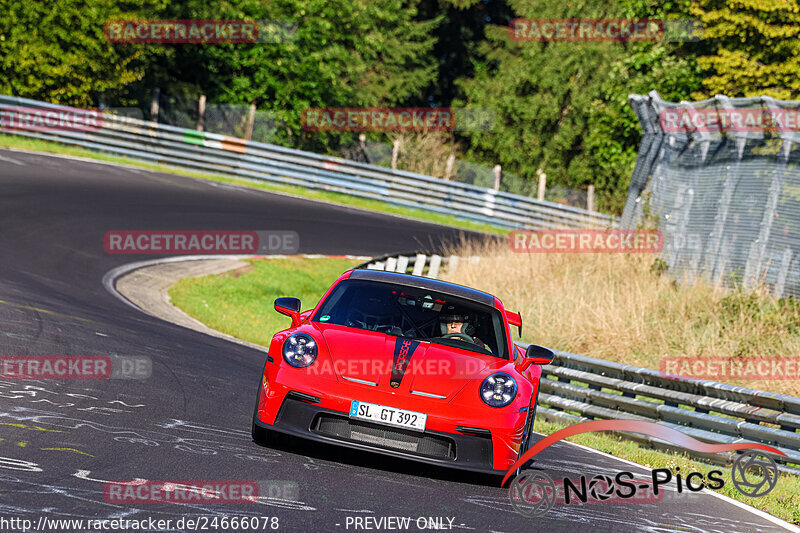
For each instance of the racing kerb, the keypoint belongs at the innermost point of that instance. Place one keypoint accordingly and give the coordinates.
(577, 388)
(209, 152)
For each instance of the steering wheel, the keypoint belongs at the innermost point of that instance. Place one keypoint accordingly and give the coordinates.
(459, 336)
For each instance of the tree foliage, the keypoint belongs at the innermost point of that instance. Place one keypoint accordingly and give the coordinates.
(561, 107)
(754, 48)
(58, 52)
(344, 53)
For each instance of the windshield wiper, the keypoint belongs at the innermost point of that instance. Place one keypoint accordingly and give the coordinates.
(464, 345)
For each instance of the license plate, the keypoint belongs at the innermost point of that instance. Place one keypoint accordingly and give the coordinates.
(390, 416)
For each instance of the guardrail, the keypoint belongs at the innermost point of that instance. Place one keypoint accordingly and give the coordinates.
(209, 152)
(577, 388)
(418, 264)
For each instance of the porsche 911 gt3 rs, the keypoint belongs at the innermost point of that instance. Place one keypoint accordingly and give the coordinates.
(406, 366)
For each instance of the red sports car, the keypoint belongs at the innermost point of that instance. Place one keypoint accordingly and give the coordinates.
(406, 366)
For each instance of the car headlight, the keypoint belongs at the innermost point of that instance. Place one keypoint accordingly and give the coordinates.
(300, 350)
(498, 390)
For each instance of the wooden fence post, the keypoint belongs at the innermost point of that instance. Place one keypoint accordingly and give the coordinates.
(154, 105)
(542, 186)
(251, 119)
(448, 166)
(201, 112)
(395, 153)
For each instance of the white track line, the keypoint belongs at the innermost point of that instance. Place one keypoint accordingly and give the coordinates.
(12, 160)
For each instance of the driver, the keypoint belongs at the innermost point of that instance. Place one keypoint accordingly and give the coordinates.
(459, 325)
(455, 325)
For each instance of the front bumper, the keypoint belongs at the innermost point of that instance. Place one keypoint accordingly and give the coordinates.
(300, 418)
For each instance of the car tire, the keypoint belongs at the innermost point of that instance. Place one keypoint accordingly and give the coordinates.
(261, 436)
(526, 444)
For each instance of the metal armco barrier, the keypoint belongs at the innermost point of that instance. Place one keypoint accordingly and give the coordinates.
(706, 410)
(418, 264)
(577, 388)
(209, 152)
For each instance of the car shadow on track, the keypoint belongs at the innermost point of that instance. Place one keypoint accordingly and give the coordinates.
(376, 461)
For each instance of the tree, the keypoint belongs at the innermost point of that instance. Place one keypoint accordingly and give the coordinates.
(457, 40)
(344, 53)
(668, 66)
(59, 53)
(562, 106)
(754, 48)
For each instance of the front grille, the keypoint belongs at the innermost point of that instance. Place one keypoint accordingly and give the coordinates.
(384, 436)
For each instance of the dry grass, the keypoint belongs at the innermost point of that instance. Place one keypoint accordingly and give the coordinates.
(617, 307)
(425, 152)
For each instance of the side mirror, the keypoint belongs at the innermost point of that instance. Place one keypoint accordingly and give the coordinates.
(536, 355)
(289, 307)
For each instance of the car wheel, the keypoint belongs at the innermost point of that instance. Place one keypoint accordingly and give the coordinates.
(260, 435)
(263, 436)
(526, 444)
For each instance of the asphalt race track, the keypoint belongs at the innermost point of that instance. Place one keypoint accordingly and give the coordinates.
(60, 440)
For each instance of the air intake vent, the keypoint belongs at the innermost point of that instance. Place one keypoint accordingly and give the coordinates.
(385, 437)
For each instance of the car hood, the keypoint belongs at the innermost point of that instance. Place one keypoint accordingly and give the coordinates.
(401, 364)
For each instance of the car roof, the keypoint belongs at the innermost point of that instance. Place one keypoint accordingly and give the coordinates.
(419, 282)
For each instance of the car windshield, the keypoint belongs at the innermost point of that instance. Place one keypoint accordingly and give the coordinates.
(415, 313)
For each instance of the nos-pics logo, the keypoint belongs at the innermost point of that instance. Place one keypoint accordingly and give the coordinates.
(534, 493)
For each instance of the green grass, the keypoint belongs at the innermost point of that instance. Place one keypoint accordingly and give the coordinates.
(240, 304)
(38, 145)
(783, 501)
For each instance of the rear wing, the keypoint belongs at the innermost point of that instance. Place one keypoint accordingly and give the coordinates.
(515, 319)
